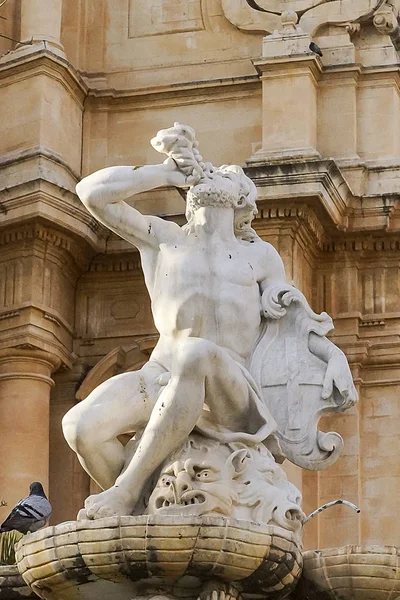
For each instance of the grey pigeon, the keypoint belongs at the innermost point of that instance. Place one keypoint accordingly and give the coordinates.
(30, 513)
(315, 48)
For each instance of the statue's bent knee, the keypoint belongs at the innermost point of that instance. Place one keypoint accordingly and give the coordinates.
(196, 354)
(78, 431)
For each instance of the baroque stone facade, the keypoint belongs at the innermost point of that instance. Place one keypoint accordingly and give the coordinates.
(92, 82)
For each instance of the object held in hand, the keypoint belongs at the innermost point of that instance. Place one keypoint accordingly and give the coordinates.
(179, 143)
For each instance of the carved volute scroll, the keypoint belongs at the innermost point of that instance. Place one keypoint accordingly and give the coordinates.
(255, 14)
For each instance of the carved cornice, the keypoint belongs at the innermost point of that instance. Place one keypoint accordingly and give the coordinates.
(34, 311)
(59, 240)
(381, 75)
(35, 337)
(24, 63)
(293, 65)
(116, 263)
(44, 200)
(50, 316)
(27, 356)
(302, 213)
(319, 186)
(389, 243)
(181, 94)
(38, 152)
(36, 231)
(322, 237)
(294, 181)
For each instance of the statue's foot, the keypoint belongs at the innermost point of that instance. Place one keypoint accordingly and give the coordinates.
(110, 503)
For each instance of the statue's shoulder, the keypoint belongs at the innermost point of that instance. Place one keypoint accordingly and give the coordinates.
(259, 246)
(267, 258)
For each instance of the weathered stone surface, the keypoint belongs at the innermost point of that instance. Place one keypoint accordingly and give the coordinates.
(12, 586)
(351, 573)
(78, 559)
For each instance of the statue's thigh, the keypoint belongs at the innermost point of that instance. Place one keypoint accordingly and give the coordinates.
(123, 402)
(226, 385)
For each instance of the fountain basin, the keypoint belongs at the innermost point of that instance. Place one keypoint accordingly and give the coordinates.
(351, 573)
(12, 586)
(117, 556)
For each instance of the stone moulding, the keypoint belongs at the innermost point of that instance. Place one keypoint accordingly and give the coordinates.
(351, 573)
(77, 559)
(12, 586)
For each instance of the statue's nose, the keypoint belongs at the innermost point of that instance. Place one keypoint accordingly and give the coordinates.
(183, 484)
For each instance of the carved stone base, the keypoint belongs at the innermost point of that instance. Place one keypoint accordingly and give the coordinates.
(12, 586)
(148, 556)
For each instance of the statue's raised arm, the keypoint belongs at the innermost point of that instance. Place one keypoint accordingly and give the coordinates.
(104, 193)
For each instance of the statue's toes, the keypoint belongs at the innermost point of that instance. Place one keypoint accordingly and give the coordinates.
(90, 501)
(100, 511)
(106, 511)
(82, 515)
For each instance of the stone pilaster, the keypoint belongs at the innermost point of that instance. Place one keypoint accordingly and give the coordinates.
(25, 385)
(289, 72)
(41, 22)
(39, 269)
(69, 483)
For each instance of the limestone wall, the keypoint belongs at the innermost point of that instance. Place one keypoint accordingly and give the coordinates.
(320, 137)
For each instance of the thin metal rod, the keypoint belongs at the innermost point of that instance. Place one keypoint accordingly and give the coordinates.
(2, 4)
(329, 504)
(17, 41)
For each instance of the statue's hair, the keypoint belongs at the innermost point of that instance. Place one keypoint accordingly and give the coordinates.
(264, 488)
(243, 200)
(197, 442)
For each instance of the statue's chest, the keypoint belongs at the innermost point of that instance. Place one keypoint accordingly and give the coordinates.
(207, 265)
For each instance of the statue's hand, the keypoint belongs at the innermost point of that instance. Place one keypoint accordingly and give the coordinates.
(184, 164)
(338, 374)
(275, 298)
(185, 174)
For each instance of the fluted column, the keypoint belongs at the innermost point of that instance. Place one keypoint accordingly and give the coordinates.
(41, 21)
(25, 384)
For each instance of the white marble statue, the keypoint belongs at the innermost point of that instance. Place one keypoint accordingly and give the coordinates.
(241, 357)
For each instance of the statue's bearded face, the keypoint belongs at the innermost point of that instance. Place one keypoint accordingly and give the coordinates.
(197, 485)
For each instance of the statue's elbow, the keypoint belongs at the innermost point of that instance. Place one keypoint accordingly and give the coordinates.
(88, 193)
